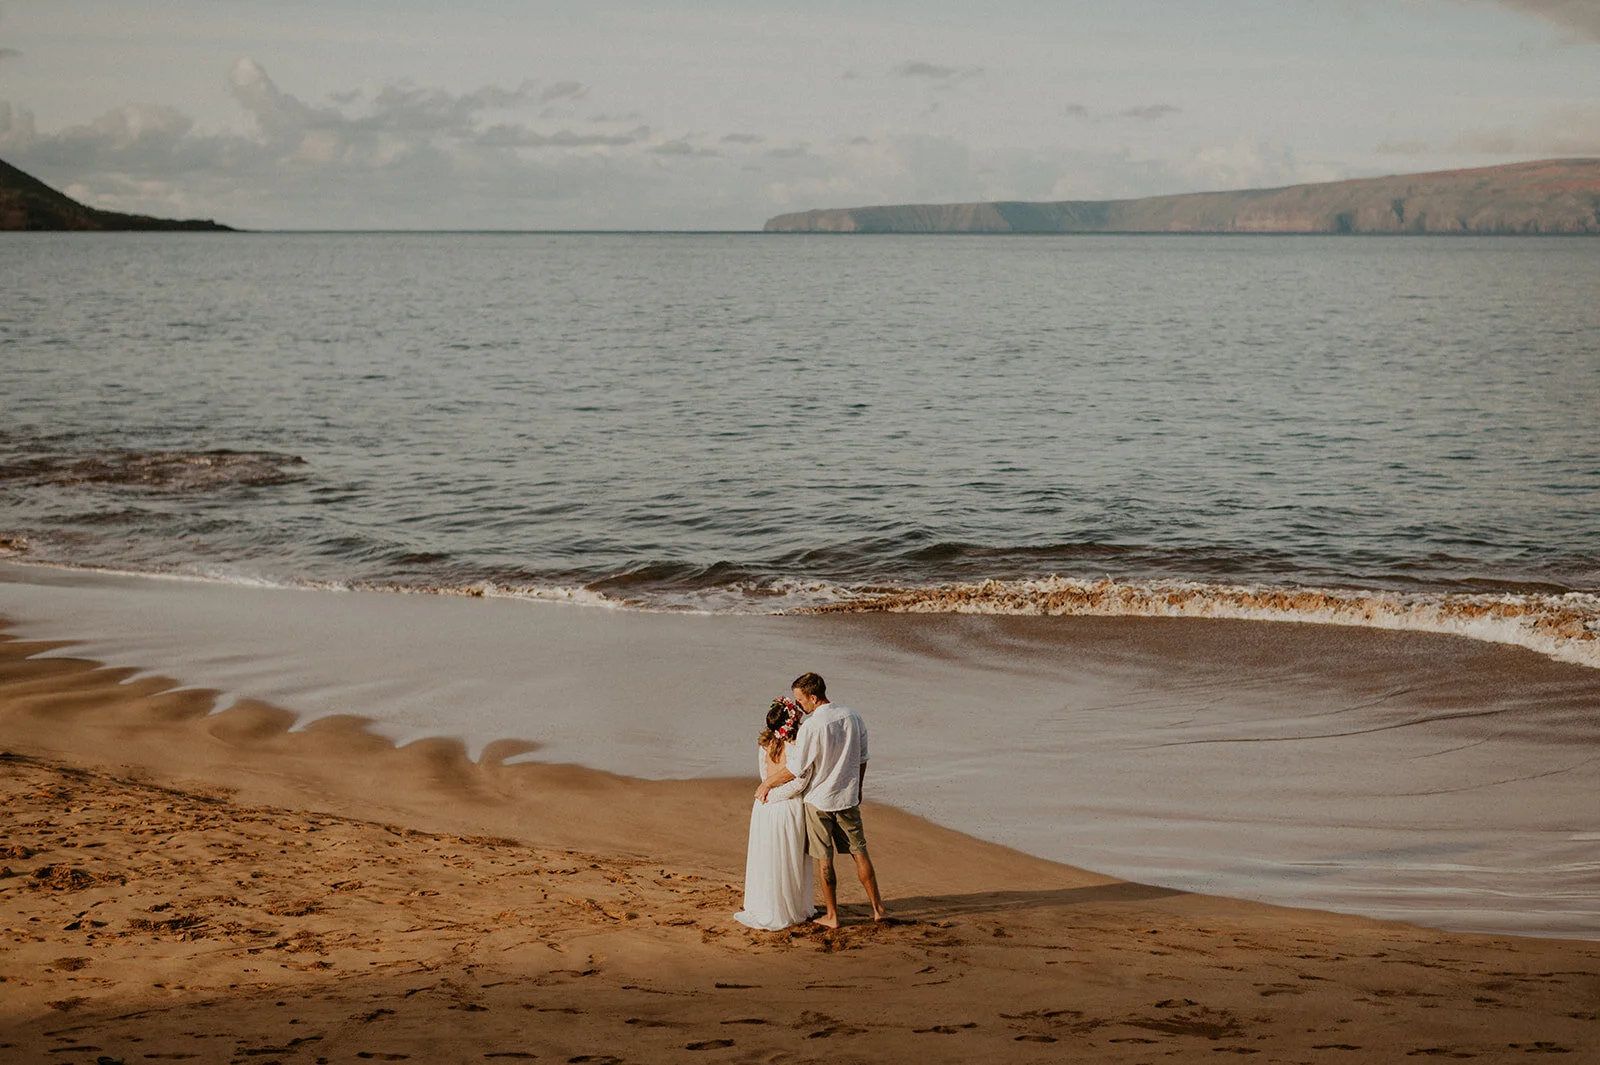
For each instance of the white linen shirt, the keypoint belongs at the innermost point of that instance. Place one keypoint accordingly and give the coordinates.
(828, 754)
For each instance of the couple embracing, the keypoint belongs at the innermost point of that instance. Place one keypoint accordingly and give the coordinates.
(813, 761)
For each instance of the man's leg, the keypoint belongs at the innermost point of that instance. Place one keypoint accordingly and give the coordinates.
(869, 880)
(819, 844)
(830, 892)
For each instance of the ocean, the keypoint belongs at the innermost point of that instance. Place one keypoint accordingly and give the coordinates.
(1262, 565)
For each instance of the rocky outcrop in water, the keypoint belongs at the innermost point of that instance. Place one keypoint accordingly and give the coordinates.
(1553, 196)
(28, 203)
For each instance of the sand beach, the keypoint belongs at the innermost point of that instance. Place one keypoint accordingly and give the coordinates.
(184, 884)
(386, 620)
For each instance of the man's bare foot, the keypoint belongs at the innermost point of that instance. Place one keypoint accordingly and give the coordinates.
(826, 921)
(880, 916)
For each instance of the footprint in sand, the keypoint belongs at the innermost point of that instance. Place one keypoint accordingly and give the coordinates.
(946, 1029)
(709, 1044)
(1281, 989)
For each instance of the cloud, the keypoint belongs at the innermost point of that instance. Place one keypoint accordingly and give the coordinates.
(415, 156)
(681, 146)
(1140, 112)
(409, 156)
(1410, 146)
(945, 75)
(1244, 163)
(1148, 112)
(9, 53)
(564, 90)
(1580, 16)
(511, 136)
(1568, 131)
(1491, 142)
(136, 138)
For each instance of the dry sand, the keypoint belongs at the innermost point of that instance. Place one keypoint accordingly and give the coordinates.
(177, 884)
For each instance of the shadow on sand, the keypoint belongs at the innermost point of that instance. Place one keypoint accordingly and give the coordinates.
(932, 907)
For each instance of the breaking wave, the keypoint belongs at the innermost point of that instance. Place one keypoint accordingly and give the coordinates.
(1563, 626)
(1566, 627)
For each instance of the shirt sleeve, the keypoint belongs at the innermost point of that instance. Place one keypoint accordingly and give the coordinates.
(863, 742)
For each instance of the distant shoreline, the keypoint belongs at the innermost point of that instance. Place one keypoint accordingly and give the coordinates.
(779, 234)
(1558, 197)
(29, 205)
(1544, 198)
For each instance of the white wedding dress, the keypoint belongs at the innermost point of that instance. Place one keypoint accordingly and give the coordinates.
(777, 873)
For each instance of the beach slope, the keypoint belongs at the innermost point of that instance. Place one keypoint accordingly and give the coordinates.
(178, 883)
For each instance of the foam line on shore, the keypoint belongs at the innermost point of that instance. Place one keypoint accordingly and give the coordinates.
(1564, 627)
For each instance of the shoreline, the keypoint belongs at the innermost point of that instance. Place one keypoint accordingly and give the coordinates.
(1411, 776)
(1563, 626)
(202, 867)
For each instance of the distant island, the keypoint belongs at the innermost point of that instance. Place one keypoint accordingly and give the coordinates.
(28, 203)
(1552, 196)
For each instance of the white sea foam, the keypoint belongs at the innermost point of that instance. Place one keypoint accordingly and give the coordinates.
(1565, 627)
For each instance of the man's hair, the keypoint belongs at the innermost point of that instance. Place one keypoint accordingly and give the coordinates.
(811, 684)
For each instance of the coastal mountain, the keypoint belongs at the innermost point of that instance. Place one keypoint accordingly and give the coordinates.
(1554, 196)
(28, 203)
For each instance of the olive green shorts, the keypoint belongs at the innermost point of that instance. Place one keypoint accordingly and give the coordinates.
(828, 831)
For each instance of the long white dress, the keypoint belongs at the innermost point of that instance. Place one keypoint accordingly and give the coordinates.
(777, 874)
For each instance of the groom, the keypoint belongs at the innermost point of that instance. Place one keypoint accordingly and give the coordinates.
(830, 753)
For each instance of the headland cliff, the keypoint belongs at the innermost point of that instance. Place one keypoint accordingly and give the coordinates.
(1553, 196)
(28, 203)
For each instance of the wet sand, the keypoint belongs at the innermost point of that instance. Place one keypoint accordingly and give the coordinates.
(1403, 775)
(186, 885)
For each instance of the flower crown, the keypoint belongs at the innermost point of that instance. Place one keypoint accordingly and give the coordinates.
(791, 722)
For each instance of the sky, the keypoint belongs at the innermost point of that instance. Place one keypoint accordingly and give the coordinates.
(493, 114)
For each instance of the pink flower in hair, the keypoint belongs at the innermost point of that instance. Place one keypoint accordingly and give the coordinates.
(791, 721)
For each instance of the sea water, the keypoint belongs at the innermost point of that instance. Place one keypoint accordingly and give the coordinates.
(1390, 434)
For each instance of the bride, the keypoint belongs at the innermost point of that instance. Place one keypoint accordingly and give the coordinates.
(777, 876)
